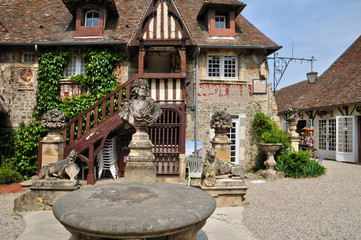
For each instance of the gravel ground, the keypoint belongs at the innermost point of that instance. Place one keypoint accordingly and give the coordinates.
(12, 224)
(327, 207)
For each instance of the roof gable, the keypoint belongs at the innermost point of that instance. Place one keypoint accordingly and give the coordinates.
(161, 22)
(339, 85)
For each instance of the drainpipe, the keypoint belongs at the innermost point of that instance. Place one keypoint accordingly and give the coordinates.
(196, 107)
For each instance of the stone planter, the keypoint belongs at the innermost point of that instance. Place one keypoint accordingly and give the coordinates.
(270, 149)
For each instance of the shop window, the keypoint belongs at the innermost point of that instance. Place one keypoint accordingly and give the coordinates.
(222, 66)
(76, 66)
(28, 57)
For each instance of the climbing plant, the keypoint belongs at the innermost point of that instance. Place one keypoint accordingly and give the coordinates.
(22, 156)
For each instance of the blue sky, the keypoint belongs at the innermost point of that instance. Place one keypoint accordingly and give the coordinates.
(320, 28)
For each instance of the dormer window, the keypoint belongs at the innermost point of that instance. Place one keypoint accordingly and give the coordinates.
(222, 23)
(92, 18)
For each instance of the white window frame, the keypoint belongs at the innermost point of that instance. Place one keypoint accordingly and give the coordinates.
(86, 18)
(76, 66)
(221, 20)
(234, 135)
(28, 57)
(222, 65)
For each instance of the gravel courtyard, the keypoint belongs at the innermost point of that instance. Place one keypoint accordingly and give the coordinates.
(327, 207)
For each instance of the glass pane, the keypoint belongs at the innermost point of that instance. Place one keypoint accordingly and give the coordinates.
(92, 19)
(220, 22)
(230, 66)
(214, 66)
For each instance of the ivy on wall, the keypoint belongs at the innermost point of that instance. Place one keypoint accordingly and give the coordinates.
(99, 79)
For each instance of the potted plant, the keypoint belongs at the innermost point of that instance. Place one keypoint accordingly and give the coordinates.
(269, 136)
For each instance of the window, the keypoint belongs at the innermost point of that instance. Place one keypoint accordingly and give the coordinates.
(76, 66)
(220, 21)
(28, 57)
(233, 135)
(92, 18)
(222, 66)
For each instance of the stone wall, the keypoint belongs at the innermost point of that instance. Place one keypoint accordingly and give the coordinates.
(235, 96)
(17, 87)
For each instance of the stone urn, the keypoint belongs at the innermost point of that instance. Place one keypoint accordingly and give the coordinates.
(270, 149)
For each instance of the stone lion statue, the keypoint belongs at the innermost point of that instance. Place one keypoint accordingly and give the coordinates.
(214, 167)
(60, 168)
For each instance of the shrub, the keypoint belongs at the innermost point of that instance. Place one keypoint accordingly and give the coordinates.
(298, 164)
(267, 131)
(8, 176)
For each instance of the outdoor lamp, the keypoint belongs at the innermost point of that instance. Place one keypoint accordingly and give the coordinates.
(312, 76)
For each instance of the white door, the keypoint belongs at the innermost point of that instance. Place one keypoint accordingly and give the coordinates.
(327, 138)
(233, 135)
(346, 139)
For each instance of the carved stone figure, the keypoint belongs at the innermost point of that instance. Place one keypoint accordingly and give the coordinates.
(221, 119)
(214, 167)
(53, 119)
(293, 114)
(60, 168)
(140, 110)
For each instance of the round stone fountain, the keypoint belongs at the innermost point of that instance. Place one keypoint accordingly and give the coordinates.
(135, 211)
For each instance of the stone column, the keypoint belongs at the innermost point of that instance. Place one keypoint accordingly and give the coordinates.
(140, 112)
(182, 167)
(221, 122)
(140, 162)
(53, 144)
(292, 119)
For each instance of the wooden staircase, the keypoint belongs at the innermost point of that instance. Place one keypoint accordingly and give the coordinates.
(87, 133)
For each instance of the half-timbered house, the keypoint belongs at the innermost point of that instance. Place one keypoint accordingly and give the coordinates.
(198, 57)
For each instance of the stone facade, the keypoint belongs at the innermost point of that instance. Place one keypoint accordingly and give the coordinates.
(17, 86)
(235, 96)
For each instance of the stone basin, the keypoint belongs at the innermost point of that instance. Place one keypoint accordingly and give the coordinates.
(270, 147)
(134, 211)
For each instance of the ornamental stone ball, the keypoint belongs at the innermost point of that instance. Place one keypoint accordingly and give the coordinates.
(53, 119)
(221, 119)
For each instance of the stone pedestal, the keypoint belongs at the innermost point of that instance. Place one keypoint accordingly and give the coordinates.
(44, 193)
(52, 147)
(182, 167)
(295, 139)
(141, 161)
(228, 192)
(222, 144)
(271, 149)
(135, 211)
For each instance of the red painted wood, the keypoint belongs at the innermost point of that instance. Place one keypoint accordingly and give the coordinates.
(111, 104)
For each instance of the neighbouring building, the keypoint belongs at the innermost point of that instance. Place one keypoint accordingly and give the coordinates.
(181, 47)
(332, 106)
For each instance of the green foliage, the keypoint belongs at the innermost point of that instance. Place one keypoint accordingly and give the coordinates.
(8, 176)
(298, 164)
(6, 143)
(19, 148)
(267, 131)
(262, 123)
(51, 69)
(313, 169)
(26, 148)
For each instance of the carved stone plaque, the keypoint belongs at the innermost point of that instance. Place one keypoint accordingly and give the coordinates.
(259, 86)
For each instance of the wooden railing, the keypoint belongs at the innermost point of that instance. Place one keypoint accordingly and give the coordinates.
(97, 113)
